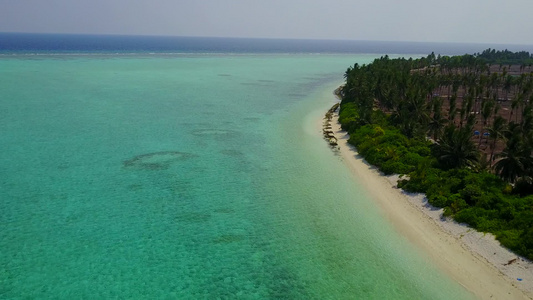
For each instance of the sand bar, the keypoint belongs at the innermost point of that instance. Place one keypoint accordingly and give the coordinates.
(475, 260)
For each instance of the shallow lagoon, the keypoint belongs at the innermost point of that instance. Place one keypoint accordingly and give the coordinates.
(189, 176)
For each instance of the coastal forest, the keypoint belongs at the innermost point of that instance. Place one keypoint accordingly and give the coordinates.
(459, 129)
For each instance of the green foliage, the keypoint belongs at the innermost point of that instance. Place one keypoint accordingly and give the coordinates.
(349, 117)
(506, 57)
(456, 149)
(477, 199)
(391, 167)
(389, 107)
(516, 160)
(525, 244)
(510, 238)
(388, 149)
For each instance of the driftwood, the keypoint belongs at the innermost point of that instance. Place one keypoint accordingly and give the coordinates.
(511, 261)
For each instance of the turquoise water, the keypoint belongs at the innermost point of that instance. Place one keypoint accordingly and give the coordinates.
(188, 177)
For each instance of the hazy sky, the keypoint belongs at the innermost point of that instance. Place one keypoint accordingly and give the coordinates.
(483, 21)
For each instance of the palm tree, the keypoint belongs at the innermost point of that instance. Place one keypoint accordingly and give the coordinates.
(496, 132)
(511, 166)
(455, 149)
(453, 107)
(436, 125)
(514, 105)
(437, 121)
(487, 110)
(516, 160)
(507, 84)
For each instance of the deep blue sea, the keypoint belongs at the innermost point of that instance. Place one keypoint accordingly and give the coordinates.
(189, 168)
(32, 43)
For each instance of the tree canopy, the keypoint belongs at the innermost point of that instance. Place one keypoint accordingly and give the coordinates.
(460, 127)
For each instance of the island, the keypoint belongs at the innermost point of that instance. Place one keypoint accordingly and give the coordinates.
(457, 129)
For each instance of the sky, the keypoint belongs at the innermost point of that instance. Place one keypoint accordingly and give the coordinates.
(475, 21)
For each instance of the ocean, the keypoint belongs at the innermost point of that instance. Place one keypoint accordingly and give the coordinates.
(189, 168)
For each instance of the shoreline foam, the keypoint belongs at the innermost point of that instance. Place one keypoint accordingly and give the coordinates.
(475, 260)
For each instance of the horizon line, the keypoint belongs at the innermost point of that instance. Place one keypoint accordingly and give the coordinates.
(265, 38)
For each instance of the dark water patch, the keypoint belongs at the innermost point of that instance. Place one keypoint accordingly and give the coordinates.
(58, 196)
(63, 166)
(287, 285)
(182, 188)
(312, 77)
(193, 217)
(157, 160)
(214, 132)
(265, 80)
(255, 84)
(232, 153)
(252, 119)
(237, 160)
(228, 239)
(296, 95)
(194, 124)
(135, 187)
(224, 211)
(224, 75)
(75, 217)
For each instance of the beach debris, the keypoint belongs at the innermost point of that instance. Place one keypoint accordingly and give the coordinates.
(338, 92)
(511, 261)
(327, 129)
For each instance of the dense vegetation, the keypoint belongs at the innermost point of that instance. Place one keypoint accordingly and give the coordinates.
(424, 118)
(491, 56)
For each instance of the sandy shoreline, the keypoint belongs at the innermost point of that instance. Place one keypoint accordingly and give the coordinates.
(473, 259)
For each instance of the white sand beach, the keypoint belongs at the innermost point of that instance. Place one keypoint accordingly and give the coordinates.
(475, 260)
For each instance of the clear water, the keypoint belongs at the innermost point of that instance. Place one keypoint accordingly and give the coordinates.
(188, 177)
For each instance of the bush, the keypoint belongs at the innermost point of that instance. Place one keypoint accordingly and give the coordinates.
(471, 193)
(412, 159)
(439, 200)
(471, 215)
(526, 244)
(349, 117)
(378, 131)
(510, 238)
(422, 150)
(395, 167)
(523, 187)
(388, 149)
